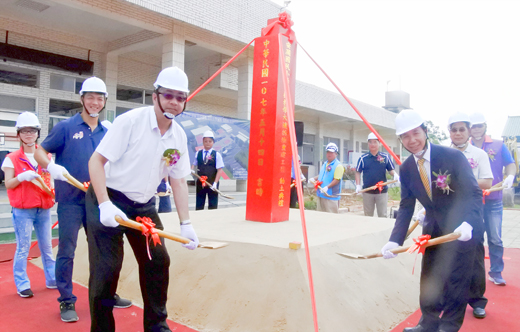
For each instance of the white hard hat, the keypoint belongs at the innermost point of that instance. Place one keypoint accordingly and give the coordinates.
(208, 133)
(477, 118)
(27, 120)
(93, 84)
(459, 117)
(407, 120)
(172, 78)
(332, 147)
(372, 136)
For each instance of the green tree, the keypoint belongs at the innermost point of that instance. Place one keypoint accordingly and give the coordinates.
(435, 134)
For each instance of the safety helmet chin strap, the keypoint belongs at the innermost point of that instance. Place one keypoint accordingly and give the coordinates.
(167, 115)
(93, 115)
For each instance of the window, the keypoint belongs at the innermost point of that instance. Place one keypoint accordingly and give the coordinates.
(134, 95)
(21, 104)
(60, 110)
(327, 140)
(306, 151)
(66, 83)
(19, 76)
(121, 110)
(364, 147)
(346, 149)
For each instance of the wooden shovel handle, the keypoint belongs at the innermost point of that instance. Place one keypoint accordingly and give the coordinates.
(492, 189)
(135, 225)
(40, 183)
(433, 242)
(375, 187)
(74, 182)
(412, 228)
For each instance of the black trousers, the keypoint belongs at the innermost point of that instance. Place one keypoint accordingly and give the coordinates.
(478, 280)
(294, 197)
(202, 192)
(446, 275)
(105, 246)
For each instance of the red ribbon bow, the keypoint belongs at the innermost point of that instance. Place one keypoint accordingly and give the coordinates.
(148, 229)
(285, 21)
(86, 184)
(484, 194)
(203, 180)
(379, 186)
(419, 246)
(317, 184)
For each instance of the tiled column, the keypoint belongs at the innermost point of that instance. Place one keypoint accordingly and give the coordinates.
(245, 84)
(111, 82)
(173, 48)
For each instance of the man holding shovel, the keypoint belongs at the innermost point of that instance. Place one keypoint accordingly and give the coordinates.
(73, 141)
(374, 166)
(143, 146)
(441, 179)
(329, 181)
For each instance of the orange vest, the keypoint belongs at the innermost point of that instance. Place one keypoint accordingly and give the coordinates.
(27, 195)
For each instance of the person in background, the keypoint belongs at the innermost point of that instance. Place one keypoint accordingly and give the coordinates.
(501, 162)
(73, 141)
(31, 205)
(330, 179)
(441, 179)
(294, 191)
(164, 190)
(374, 166)
(208, 163)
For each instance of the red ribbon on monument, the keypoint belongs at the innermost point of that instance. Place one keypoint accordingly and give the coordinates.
(419, 245)
(285, 21)
(148, 229)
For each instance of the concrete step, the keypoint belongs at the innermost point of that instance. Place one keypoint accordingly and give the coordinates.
(6, 221)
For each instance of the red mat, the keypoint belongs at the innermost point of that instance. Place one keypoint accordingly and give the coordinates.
(41, 313)
(503, 306)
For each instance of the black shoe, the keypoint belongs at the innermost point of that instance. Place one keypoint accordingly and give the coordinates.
(479, 312)
(26, 293)
(121, 303)
(417, 328)
(68, 312)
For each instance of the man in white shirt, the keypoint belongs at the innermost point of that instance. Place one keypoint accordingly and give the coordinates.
(209, 166)
(143, 146)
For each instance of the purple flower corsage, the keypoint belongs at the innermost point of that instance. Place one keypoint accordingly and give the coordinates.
(443, 182)
(491, 154)
(380, 159)
(473, 163)
(171, 156)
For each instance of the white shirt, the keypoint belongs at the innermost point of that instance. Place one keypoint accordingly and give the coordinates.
(219, 163)
(427, 163)
(134, 148)
(479, 162)
(8, 163)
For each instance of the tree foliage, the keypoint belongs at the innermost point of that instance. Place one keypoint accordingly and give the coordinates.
(435, 134)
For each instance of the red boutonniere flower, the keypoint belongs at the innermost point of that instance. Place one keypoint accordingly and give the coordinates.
(443, 182)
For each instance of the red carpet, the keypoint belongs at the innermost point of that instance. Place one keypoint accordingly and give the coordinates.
(41, 312)
(503, 306)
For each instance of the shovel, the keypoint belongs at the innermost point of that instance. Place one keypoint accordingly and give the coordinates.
(441, 239)
(41, 184)
(214, 189)
(74, 182)
(135, 225)
(367, 189)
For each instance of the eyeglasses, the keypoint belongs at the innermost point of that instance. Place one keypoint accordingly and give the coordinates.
(29, 131)
(170, 96)
(460, 130)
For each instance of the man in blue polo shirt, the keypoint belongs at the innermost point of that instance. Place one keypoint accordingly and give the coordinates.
(73, 141)
(501, 162)
(374, 166)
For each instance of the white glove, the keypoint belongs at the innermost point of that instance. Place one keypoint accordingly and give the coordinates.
(27, 176)
(187, 231)
(168, 187)
(214, 186)
(358, 188)
(508, 182)
(324, 189)
(302, 177)
(465, 230)
(396, 176)
(387, 254)
(108, 212)
(420, 216)
(57, 171)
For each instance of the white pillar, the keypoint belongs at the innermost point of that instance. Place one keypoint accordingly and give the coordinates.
(111, 83)
(245, 84)
(173, 48)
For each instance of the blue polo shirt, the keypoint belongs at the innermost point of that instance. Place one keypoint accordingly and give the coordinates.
(73, 143)
(374, 169)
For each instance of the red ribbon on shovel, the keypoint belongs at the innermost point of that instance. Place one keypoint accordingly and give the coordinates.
(203, 180)
(419, 246)
(379, 186)
(317, 184)
(484, 194)
(148, 229)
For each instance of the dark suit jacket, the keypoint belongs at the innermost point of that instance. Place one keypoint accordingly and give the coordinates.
(444, 212)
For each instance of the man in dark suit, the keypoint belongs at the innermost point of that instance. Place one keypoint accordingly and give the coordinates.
(442, 180)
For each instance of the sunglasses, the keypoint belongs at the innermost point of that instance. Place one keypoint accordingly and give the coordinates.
(29, 131)
(170, 96)
(460, 130)
(481, 125)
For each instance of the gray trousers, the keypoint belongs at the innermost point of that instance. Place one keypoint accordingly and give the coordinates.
(328, 205)
(375, 200)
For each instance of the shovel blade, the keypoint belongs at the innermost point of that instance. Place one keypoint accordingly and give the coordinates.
(352, 256)
(212, 245)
